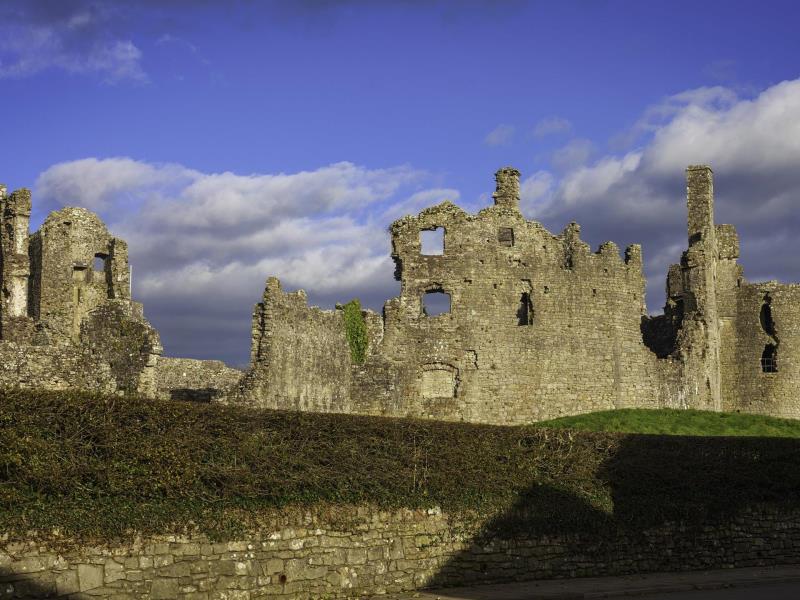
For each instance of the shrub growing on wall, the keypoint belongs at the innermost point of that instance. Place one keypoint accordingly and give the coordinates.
(356, 329)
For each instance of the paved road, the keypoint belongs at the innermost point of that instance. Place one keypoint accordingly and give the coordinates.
(757, 583)
(781, 591)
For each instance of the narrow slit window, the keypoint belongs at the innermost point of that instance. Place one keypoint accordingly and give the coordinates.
(435, 303)
(767, 324)
(769, 359)
(525, 310)
(432, 241)
(505, 235)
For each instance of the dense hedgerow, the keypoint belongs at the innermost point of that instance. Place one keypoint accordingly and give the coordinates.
(100, 467)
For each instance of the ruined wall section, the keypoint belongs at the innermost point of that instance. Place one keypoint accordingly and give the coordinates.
(66, 318)
(539, 326)
(117, 334)
(15, 213)
(194, 380)
(31, 366)
(82, 267)
(300, 357)
(756, 380)
(737, 343)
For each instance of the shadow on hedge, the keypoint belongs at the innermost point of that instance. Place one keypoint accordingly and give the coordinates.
(666, 492)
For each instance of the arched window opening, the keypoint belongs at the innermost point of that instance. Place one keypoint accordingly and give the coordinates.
(435, 303)
(432, 241)
(769, 359)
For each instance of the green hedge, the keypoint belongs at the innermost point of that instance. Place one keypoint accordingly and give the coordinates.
(99, 467)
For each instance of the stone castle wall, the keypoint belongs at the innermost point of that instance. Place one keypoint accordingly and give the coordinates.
(368, 552)
(745, 336)
(534, 326)
(537, 325)
(195, 380)
(300, 357)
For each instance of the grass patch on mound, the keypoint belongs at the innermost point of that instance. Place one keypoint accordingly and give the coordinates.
(679, 422)
(100, 468)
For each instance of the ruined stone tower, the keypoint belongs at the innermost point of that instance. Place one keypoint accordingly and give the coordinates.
(66, 317)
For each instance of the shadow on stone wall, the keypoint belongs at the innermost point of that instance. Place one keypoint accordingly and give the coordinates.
(679, 503)
(195, 394)
(34, 585)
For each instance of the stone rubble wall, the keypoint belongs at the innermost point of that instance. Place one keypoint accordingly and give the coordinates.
(300, 357)
(67, 320)
(375, 552)
(53, 368)
(539, 326)
(196, 380)
(580, 348)
(746, 387)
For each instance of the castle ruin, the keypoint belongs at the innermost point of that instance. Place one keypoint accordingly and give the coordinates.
(537, 326)
(504, 323)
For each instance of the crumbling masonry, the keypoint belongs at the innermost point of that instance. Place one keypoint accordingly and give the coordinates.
(537, 326)
(67, 320)
(66, 316)
(531, 326)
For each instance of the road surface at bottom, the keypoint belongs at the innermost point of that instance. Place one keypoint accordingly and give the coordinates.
(761, 583)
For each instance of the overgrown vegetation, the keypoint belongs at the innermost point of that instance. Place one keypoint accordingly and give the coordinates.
(356, 330)
(100, 467)
(679, 422)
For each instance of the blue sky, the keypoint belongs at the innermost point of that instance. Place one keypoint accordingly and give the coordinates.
(232, 141)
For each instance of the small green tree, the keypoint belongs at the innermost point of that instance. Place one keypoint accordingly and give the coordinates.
(356, 330)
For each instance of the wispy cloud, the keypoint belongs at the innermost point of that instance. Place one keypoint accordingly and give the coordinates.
(551, 126)
(72, 36)
(499, 136)
(574, 154)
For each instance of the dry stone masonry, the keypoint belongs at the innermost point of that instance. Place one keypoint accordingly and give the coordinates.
(508, 323)
(503, 322)
(373, 552)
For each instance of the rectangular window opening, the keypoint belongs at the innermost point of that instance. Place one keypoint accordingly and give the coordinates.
(505, 235)
(435, 303)
(432, 241)
(99, 263)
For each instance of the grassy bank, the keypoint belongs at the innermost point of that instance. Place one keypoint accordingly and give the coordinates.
(679, 422)
(100, 467)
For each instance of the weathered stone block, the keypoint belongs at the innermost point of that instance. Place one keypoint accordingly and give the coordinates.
(89, 577)
(164, 588)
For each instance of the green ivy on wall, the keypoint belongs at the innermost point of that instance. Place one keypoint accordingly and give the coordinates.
(356, 330)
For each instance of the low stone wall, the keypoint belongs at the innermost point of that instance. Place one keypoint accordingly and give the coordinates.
(191, 379)
(371, 552)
